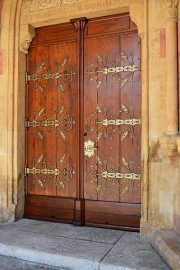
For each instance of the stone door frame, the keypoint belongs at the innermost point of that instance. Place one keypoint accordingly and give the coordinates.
(17, 32)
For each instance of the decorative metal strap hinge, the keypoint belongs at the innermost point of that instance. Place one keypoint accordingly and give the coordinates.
(27, 77)
(26, 123)
(25, 170)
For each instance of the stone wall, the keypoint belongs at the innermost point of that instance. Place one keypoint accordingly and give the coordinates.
(160, 144)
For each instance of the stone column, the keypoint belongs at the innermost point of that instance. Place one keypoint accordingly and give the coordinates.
(171, 63)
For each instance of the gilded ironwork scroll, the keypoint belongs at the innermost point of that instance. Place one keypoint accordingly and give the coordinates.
(102, 173)
(63, 122)
(100, 71)
(42, 172)
(63, 73)
(123, 122)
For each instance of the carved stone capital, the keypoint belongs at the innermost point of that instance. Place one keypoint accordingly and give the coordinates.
(170, 7)
(171, 13)
(135, 10)
(27, 34)
(170, 3)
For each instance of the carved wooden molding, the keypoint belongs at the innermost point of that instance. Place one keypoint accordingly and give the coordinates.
(135, 10)
(27, 34)
(80, 23)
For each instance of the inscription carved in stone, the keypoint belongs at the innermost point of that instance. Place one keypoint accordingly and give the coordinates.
(35, 11)
(35, 5)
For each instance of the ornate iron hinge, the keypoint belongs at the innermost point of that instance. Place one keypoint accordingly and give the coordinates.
(27, 77)
(119, 122)
(102, 174)
(118, 175)
(100, 71)
(63, 123)
(58, 168)
(100, 122)
(63, 73)
(25, 170)
(26, 123)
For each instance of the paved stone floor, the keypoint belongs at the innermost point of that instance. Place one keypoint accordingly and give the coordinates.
(74, 248)
(7, 263)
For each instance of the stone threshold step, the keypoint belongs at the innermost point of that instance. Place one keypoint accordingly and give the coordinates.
(77, 248)
(49, 259)
(167, 244)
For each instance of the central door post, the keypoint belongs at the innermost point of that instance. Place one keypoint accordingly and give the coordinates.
(79, 212)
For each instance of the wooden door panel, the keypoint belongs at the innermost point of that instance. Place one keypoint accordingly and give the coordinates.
(113, 215)
(52, 121)
(112, 107)
(36, 109)
(103, 105)
(114, 99)
(55, 113)
(109, 25)
(131, 109)
(67, 147)
(49, 104)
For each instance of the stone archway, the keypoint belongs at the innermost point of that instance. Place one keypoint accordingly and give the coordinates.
(18, 22)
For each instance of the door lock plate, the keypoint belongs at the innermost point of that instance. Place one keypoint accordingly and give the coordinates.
(89, 148)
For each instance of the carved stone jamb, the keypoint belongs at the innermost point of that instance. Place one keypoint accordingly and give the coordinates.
(135, 11)
(170, 7)
(27, 34)
(139, 15)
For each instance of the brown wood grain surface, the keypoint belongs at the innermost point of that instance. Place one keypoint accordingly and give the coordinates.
(84, 85)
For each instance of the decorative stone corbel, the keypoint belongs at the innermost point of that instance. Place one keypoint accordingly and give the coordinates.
(27, 34)
(136, 12)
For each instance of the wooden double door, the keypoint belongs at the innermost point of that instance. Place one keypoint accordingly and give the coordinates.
(83, 130)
